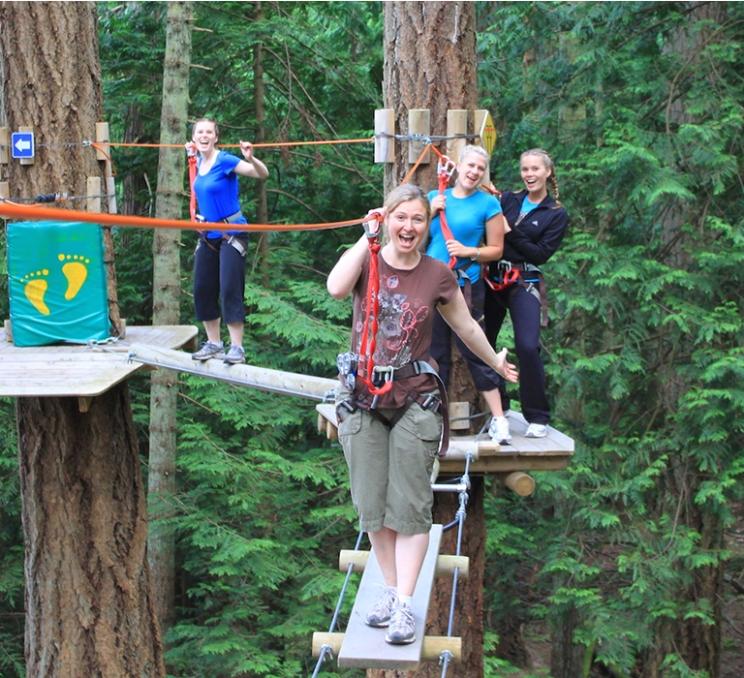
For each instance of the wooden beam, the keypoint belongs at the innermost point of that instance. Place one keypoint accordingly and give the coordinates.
(384, 144)
(431, 650)
(459, 414)
(93, 191)
(445, 564)
(418, 123)
(262, 378)
(520, 483)
(4, 146)
(457, 123)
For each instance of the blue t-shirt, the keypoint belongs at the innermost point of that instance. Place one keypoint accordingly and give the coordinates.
(527, 207)
(217, 192)
(466, 218)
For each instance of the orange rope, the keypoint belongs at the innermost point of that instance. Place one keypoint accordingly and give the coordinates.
(14, 211)
(272, 144)
(417, 163)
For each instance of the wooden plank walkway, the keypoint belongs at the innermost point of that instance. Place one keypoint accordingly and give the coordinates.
(523, 454)
(262, 378)
(365, 646)
(76, 370)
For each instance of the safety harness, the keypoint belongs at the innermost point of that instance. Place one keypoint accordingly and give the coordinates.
(379, 379)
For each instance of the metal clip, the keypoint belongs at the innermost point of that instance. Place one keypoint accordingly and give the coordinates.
(381, 375)
(505, 265)
(446, 167)
(375, 217)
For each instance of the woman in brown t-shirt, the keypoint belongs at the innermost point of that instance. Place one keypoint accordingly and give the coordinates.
(390, 439)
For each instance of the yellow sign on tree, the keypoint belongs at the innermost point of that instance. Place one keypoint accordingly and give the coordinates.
(487, 133)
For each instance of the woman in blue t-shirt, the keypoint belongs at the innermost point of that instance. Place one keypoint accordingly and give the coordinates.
(477, 228)
(537, 223)
(219, 260)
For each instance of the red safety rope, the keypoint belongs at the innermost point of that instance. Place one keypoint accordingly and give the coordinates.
(192, 178)
(366, 367)
(445, 170)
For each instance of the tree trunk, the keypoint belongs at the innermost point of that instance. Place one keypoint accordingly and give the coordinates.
(430, 63)
(259, 97)
(166, 288)
(88, 606)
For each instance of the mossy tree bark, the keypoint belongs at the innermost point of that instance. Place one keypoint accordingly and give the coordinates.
(430, 63)
(89, 609)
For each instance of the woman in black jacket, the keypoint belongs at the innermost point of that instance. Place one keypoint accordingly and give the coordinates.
(537, 223)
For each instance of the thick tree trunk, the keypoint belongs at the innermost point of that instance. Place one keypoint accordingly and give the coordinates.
(166, 289)
(88, 605)
(430, 63)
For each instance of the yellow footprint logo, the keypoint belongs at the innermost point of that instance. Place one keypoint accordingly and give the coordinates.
(35, 288)
(76, 271)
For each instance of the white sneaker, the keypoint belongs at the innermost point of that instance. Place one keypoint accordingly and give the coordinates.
(498, 430)
(536, 431)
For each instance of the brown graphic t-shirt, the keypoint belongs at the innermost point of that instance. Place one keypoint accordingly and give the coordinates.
(408, 302)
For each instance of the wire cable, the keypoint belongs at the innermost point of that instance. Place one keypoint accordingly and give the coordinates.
(325, 650)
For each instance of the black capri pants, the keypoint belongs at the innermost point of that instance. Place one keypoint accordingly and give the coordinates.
(219, 279)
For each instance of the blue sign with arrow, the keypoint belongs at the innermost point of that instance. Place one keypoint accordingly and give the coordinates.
(22, 144)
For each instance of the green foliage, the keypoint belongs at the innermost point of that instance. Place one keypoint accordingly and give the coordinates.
(644, 354)
(645, 357)
(11, 549)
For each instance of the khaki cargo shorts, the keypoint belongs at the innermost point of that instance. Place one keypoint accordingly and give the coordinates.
(390, 469)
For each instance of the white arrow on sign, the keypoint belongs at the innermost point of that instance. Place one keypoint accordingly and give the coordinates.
(23, 145)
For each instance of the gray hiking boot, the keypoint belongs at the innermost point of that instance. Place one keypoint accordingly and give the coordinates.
(380, 613)
(236, 354)
(208, 350)
(402, 629)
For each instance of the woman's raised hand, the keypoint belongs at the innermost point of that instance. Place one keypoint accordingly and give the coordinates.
(246, 148)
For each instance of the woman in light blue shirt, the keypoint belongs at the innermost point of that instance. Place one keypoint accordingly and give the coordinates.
(477, 236)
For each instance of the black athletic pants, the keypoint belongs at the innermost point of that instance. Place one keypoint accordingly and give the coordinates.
(524, 309)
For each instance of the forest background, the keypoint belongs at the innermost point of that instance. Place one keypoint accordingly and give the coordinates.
(639, 544)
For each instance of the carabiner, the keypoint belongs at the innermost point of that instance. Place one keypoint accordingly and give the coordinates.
(446, 167)
(376, 217)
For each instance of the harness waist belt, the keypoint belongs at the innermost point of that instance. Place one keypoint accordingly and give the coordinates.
(231, 219)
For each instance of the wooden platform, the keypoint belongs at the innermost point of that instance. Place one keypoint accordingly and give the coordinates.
(364, 646)
(523, 454)
(84, 371)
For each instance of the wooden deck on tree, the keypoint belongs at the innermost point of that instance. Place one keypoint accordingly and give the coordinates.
(523, 454)
(68, 370)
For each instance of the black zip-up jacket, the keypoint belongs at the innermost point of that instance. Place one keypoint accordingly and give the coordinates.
(538, 235)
